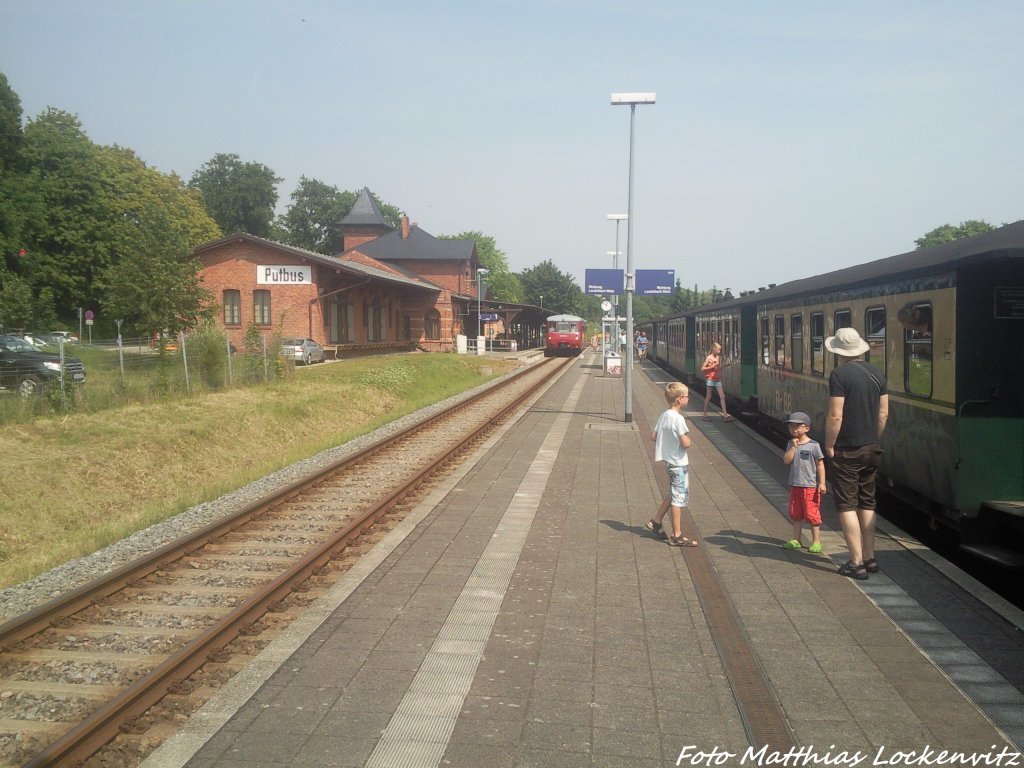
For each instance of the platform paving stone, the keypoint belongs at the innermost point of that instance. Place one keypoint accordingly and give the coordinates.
(598, 652)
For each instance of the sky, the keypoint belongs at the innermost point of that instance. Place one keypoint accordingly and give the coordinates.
(788, 139)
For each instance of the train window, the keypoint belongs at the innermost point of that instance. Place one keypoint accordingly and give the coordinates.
(796, 338)
(874, 334)
(916, 320)
(780, 340)
(765, 349)
(735, 339)
(817, 344)
(842, 319)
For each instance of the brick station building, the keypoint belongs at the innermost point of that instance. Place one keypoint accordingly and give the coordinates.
(388, 289)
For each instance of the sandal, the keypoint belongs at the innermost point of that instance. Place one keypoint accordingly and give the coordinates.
(707, 418)
(858, 572)
(656, 528)
(792, 544)
(871, 565)
(681, 541)
(727, 417)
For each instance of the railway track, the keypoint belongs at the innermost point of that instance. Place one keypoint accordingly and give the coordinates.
(85, 667)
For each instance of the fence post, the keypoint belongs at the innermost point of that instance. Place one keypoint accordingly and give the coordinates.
(120, 353)
(227, 343)
(184, 360)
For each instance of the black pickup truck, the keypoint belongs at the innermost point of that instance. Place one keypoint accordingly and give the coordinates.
(27, 369)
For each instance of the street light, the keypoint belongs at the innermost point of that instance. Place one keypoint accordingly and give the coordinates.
(618, 218)
(480, 272)
(542, 301)
(632, 99)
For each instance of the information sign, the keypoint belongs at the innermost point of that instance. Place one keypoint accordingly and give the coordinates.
(655, 282)
(604, 281)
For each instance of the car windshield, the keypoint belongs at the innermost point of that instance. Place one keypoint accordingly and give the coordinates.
(293, 342)
(17, 344)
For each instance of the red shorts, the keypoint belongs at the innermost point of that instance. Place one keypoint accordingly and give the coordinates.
(805, 504)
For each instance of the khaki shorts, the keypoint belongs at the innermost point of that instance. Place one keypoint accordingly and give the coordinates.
(853, 476)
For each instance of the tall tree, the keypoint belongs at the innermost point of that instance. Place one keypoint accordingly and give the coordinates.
(10, 125)
(239, 196)
(313, 219)
(947, 233)
(154, 284)
(502, 284)
(560, 293)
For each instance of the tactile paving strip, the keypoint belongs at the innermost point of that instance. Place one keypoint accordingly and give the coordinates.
(417, 735)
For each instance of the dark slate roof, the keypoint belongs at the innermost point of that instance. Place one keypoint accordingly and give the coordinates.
(419, 245)
(350, 267)
(366, 212)
(1005, 241)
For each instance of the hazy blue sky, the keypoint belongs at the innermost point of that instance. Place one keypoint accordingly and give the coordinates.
(789, 138)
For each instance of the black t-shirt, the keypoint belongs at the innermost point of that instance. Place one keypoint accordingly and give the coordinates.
(861, 384)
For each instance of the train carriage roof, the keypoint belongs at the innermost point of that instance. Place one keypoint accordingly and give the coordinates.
(1007, 241)
(563, 319)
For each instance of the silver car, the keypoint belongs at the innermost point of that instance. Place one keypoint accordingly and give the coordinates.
(305, 351)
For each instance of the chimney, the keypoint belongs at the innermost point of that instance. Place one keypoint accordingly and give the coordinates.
(405, 227)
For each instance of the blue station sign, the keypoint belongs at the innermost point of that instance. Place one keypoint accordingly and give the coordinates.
(605, 281)
(655, 282)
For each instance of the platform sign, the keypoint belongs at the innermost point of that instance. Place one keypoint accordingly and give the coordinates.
(655, 282)
(488, 317)
(604, 281)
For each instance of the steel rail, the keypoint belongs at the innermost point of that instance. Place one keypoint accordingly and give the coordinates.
(49, 613)
(88, 736)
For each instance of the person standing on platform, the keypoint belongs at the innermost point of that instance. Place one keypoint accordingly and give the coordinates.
(858, 410)
(712, 372)
(641, 346)
(806, 481)
(671, 439)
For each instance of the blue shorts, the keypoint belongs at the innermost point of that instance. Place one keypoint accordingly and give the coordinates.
(679, 479)
(713, 383)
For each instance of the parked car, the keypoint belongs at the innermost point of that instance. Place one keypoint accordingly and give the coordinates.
(28, 369)
(305, 351)
(54, 338)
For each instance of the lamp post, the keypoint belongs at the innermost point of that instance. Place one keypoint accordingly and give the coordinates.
(618, 218)
(480, 272)
(542, 301)
(632, 99)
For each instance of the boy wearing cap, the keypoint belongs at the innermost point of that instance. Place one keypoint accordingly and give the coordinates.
(806, 480)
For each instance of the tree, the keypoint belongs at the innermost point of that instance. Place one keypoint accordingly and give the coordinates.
(151, 279)
(239, 196)
(10, 125)
(502, 285)
(15, 302)
(560, 293)
(948, 233)
(313, 220)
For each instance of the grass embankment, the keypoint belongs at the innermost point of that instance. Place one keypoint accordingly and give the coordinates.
(74, 484)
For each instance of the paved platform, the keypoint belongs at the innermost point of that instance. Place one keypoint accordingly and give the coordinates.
(522, 616)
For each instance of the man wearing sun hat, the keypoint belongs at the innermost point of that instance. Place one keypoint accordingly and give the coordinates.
(857, 413)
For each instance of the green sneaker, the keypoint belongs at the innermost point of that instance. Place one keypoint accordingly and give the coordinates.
(815, 547)
(791, 544)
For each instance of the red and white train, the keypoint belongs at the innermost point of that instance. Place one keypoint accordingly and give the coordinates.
(565, 335)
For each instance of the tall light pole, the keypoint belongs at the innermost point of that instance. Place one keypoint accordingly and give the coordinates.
(618, 218)
(632, 99)
(480, 272)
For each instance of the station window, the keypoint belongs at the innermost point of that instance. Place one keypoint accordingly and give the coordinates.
(916, 320)
(232, 307)
(842, 319)
(874, 334)
(765, 342)
(796, 338)
(432, 324)
(340, 313)
(817, 344)
(780, 341)
(261, 307)
(375, 327)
